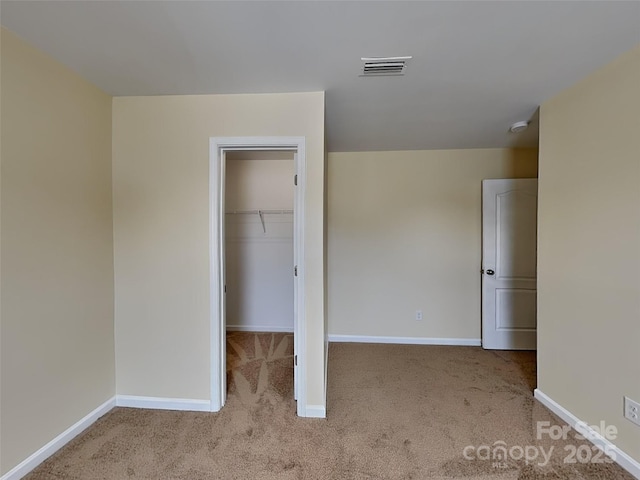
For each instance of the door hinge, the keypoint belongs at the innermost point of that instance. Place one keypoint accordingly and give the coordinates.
(225, 289)
(295, 180)
(295, 271)
(295, 360)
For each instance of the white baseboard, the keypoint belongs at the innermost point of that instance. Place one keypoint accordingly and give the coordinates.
(313, 411)
(621, 458)
(57, 443)
(258, 328)
(161, 403)
(467, 342)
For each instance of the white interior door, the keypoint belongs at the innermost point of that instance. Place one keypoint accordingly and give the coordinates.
(295, 278)
(223, 276)
(509, 225)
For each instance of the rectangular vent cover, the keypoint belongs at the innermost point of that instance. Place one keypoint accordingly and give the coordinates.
(383, 66)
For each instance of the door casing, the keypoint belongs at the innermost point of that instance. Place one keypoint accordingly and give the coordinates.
(218, 146)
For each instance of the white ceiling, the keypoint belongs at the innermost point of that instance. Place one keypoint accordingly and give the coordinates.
(477, 66)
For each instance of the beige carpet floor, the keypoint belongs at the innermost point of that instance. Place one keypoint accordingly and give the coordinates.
(394, 412)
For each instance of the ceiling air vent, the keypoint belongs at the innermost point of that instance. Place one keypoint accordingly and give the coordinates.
(383, 66)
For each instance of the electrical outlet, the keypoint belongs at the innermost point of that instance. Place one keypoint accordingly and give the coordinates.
(632, 410)
(418, 315)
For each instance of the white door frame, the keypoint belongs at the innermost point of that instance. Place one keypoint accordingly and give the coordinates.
(218, 146)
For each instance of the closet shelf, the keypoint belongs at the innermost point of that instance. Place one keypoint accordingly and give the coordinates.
(257, 212)
(260, 213)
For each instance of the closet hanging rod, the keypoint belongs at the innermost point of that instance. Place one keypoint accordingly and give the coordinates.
(257, 212)
(260, 213)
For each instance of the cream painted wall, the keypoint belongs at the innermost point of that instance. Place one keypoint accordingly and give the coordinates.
(404, 233)
(589, 247)
(57, 253)
(161, 232)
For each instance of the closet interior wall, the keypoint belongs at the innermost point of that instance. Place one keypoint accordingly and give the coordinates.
(259, 241)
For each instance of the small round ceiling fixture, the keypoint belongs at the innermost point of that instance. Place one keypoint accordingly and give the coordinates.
(518, 127)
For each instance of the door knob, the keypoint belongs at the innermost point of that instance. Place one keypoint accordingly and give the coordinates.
(490, 272)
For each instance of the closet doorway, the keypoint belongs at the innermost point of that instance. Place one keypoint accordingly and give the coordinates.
(259, 263)
(257, 195)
